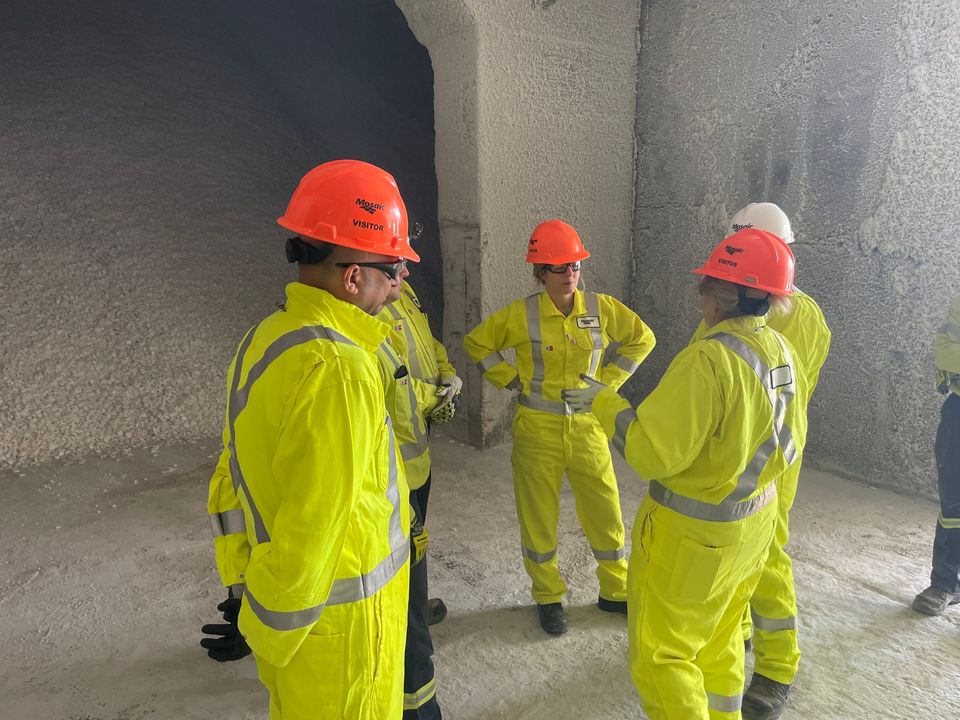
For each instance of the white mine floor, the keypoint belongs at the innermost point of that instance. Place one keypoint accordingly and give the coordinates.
(107, 575)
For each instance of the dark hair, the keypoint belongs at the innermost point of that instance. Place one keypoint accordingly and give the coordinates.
(312, 252)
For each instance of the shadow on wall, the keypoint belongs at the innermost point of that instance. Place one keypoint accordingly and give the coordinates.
(147, 150)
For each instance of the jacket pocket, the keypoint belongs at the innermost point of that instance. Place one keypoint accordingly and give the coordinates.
(697, 569)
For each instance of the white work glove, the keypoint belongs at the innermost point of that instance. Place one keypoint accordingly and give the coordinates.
(581, 399)
(448, 400)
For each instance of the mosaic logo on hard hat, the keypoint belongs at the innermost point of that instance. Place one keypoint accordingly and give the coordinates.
(370, 207)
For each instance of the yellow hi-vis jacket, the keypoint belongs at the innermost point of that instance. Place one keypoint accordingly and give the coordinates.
(427, 364)
(553, 350)
(408, 422)
(806, 328)
(311, 464)
(946, 350)
(725, 421)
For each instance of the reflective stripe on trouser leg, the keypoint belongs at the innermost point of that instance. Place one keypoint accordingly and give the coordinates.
(946, 542)
(594, 486)
(686, 599)
(419, 688)
(537, 476)
(774, 603)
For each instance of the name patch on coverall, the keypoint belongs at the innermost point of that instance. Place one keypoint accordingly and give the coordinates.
(588, 321)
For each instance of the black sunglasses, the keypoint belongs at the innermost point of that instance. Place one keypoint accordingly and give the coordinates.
(561, 269)
(391, 270)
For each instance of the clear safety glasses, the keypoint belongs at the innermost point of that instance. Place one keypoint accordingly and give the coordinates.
(561, 269)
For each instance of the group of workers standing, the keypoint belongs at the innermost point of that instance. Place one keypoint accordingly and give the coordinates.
(319, 499)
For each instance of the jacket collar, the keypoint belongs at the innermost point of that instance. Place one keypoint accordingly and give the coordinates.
(319, 307)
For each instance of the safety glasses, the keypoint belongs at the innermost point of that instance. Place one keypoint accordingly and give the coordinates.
(391, 270)
(561, 269)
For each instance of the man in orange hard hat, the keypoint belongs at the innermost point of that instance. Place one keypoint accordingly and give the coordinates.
(308, 501)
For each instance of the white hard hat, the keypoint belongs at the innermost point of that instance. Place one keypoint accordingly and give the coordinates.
(763, 216)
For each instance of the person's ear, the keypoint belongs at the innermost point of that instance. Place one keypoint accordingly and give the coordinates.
(352, 279)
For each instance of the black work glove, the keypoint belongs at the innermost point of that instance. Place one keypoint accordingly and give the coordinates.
(230, 644)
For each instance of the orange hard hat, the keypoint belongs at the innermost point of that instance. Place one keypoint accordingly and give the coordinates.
(351, 203)
(752, 258)
(553, 242)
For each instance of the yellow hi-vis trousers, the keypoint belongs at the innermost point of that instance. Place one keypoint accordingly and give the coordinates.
(772, 616)
(324, 679)
(545, 446)
(690, 581)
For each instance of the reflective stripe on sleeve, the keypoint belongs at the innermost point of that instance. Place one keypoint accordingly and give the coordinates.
(414, 700)
(228, 523)
(621, 425)
(490, 361)
(625, 364)
(948, 523)
(773, 624)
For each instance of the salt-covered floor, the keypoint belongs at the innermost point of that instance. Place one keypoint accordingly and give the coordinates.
(108, 574)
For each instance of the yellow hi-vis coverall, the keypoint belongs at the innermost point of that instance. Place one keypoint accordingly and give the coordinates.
(773, 608)
(725, 421)
(549, 439)
(426, 361)
(310, 458)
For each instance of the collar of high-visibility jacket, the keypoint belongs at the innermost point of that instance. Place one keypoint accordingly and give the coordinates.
(321, 308)
(548, 308)
(742, 323)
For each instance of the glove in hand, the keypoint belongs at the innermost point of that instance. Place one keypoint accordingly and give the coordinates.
(229, 643)
(448, 400)
(581, 399)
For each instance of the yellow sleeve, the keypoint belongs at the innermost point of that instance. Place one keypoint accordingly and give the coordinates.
(946, 343)
(667, 432)
(698, 333)
(636, 340)
(443, 360)
(325, 449)
(230, 544)
(486, 341)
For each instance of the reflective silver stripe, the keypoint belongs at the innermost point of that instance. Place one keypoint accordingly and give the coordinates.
(548, 406)
(282, 620)
(228, 523)
(949, 329)
(490, 361)
(617, 554)
(413, 358)
(536, 344)
(238, 398)
(592, 306)
(773, 624)
(622, 424)
(625, 364)
(414, 700)
(345, 590)
(236, 590)
(726, 511)
(724, 703)
(540, 557)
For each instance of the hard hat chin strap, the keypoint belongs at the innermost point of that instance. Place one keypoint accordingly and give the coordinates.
(751, 305)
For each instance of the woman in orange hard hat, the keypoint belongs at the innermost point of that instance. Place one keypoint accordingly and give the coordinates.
(724, 423)
(558, 335)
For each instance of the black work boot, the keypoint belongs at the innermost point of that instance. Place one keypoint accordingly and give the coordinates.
(436, 611)
(933, 600)
(552, 618)
(612, 606)
(764, 699)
